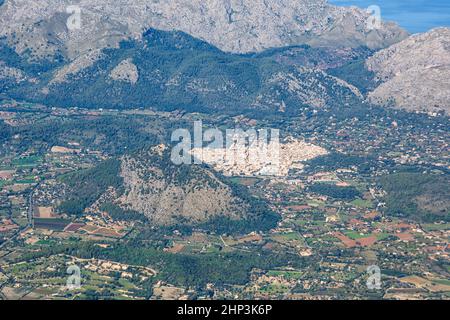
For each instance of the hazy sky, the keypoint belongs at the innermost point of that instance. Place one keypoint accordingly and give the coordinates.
(413, 15)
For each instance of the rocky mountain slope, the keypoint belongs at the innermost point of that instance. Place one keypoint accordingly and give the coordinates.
(114, 60)
(172, 70)
(147, 182)
(40, 28)
(415, 73)
(168, 194)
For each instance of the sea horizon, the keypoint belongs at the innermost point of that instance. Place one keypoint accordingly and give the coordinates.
(414, 15)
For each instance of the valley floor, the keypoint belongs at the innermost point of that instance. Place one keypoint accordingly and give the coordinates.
(378, 200)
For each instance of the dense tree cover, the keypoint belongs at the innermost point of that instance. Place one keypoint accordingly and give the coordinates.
(258, 216)
(114, 135)
(260, 219)
(86, 186)
(357, 74)
(420, 196)
(174, 55)
(5, 131)
(256, 213)
(120, 214)
(315, 57)
(192, 270)
(331, 190)
(179, 175)
(334, 161)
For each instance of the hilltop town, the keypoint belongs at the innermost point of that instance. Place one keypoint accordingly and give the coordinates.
(338, 213)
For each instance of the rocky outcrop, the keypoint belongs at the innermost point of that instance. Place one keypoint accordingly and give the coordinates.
(168, 194)
(125, 71)
(54, 26)
(415, 73)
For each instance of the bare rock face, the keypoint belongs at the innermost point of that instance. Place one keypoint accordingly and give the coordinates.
(168, 194)
(415, 73)
(81, 62)
(7, 72)
(125, 71)
(54, 26)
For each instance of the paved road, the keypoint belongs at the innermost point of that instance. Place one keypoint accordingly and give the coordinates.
(30, 205)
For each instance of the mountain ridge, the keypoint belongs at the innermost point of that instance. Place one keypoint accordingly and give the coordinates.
(149, 184)
(414, 73)
(173, 70)
(233, 26)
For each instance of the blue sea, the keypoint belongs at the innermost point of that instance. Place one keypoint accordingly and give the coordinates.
(413, 15)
